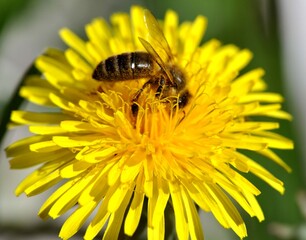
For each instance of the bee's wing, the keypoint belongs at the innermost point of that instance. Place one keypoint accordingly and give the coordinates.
(155, 56)
(156, 43)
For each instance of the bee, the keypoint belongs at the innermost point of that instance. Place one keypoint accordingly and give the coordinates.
(156, 64)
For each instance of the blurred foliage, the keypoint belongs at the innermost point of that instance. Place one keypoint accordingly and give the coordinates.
(9, 9)
(248, 24)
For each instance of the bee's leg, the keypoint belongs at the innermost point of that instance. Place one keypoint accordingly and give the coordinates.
(160, 87)
(134, 107)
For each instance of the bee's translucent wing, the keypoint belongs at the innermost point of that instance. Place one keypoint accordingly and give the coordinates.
(155, 56)
(156, 43)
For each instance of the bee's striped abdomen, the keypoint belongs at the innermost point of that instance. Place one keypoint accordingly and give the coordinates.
(126, 66)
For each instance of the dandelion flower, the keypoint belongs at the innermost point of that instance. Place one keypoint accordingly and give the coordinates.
(108, 160)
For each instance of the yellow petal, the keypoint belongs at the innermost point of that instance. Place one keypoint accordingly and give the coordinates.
(116, 218)
(194, 35)
(22, 146)
(229, 212)
(42, 184)
(179, 212)
(270, 154)
(46, 146)
(54, 68)
(170, 30)
(97, 223)
(37, 95)
(45, 208)
(76, 43)
(76, 220)
(134, 213)
(116, 199)
(266, 176)
(46, 130)
(70, 197)
(23, 117)
(194, 224)
(160, 204)
(41, 179)
(30, 159)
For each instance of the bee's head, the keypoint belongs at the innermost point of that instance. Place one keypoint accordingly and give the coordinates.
(178, 77)
(183, 99)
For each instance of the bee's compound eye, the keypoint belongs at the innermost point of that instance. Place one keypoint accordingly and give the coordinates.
(178, 77)
(183, 99)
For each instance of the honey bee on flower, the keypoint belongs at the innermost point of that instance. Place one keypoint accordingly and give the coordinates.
(147, 116)
(157, 64)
